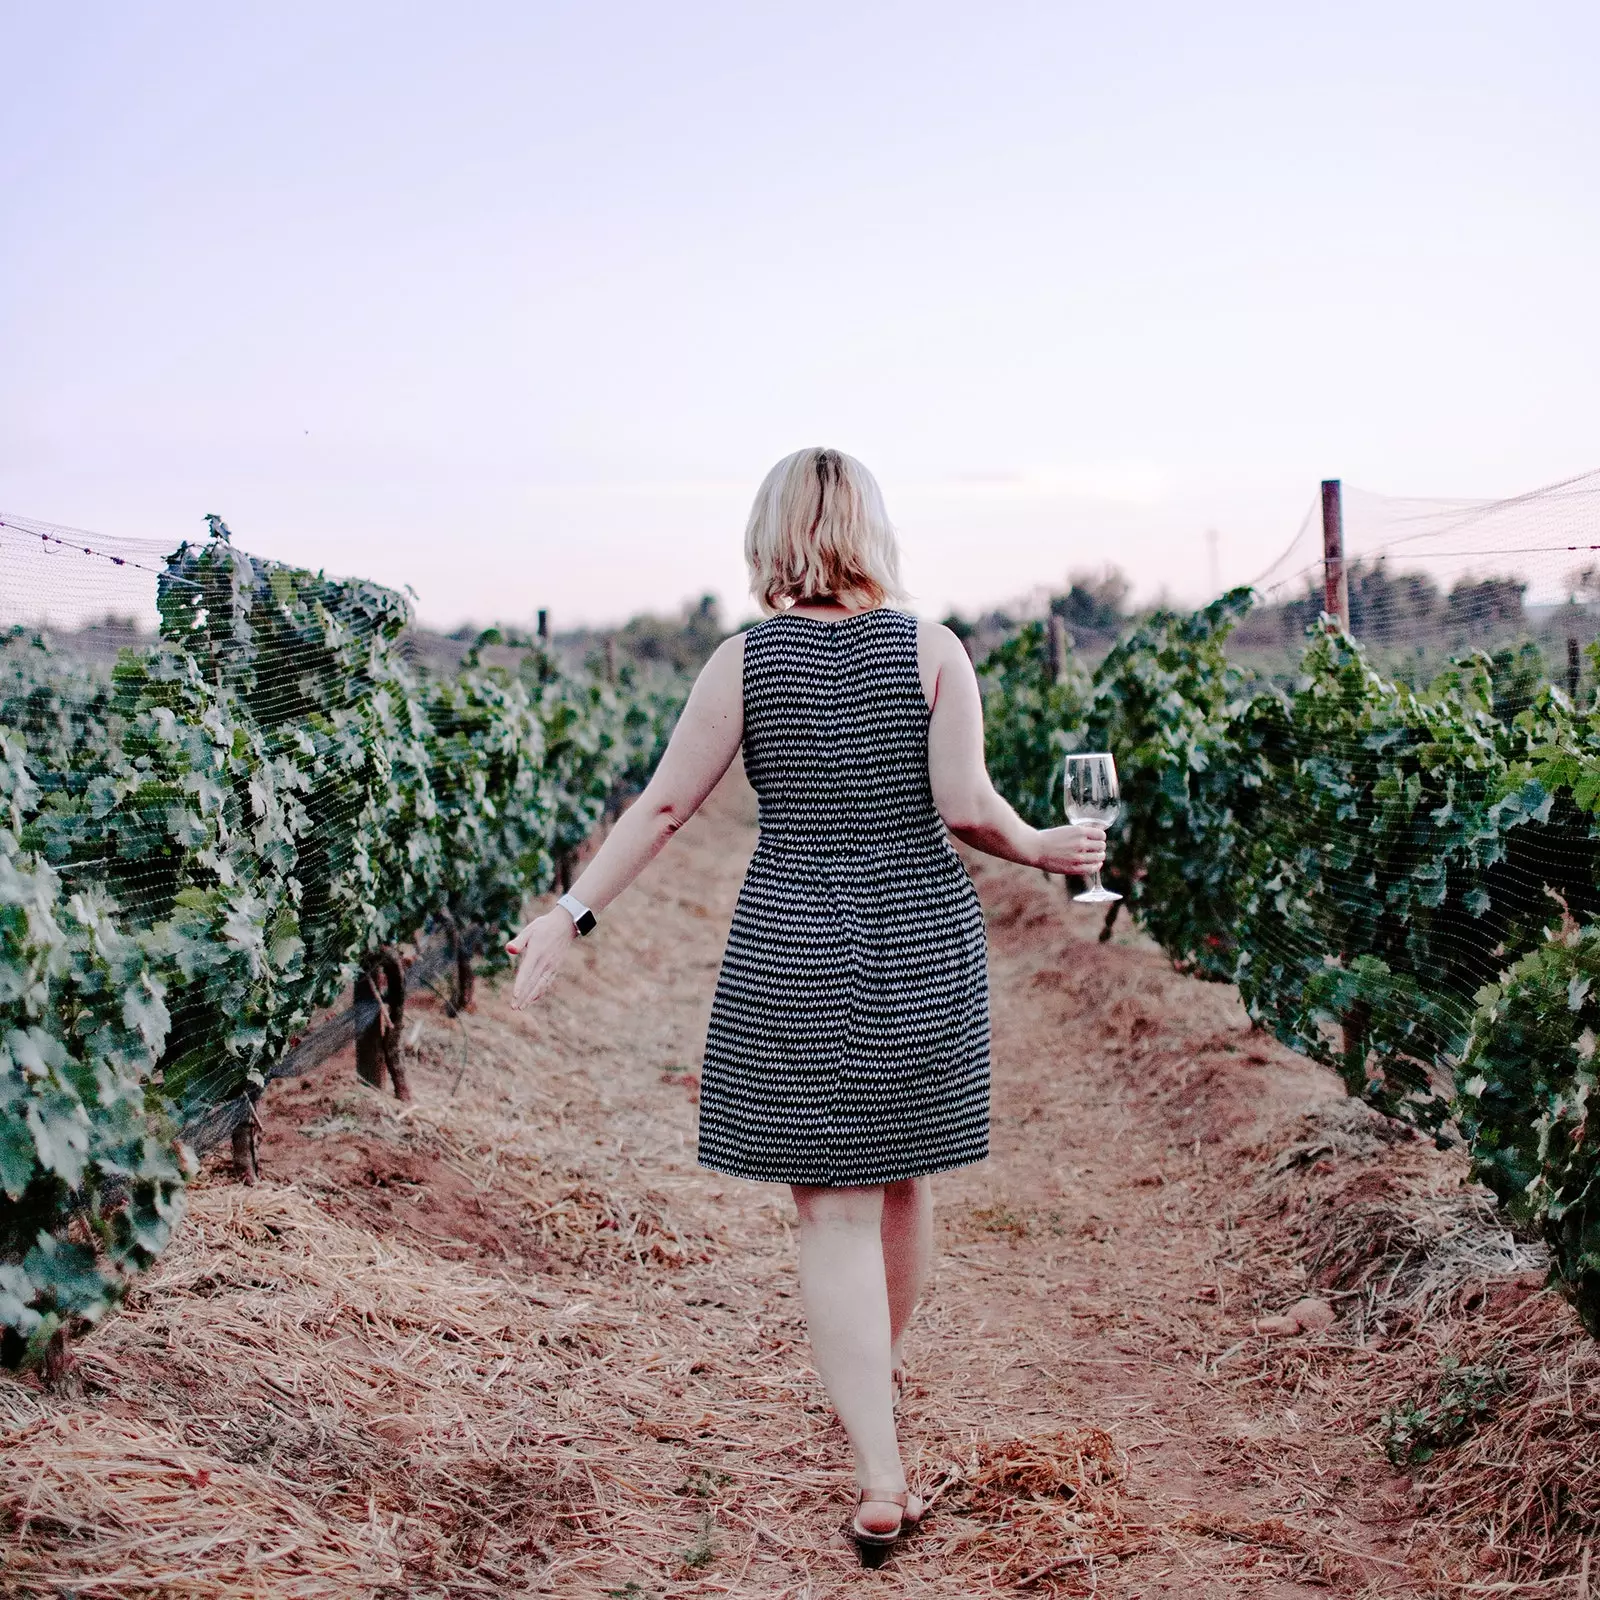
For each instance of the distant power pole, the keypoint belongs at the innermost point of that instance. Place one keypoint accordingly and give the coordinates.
(1335, 587)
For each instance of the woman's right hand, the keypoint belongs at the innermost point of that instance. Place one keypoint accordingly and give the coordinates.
(1074, 850)
(540, 947)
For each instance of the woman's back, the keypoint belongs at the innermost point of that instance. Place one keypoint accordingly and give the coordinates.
(849, 1038)
(836, 734)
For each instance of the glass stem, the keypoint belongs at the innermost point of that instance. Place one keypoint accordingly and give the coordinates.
(1094, 883)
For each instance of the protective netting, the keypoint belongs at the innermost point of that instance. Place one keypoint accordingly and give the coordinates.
(1390, 842)
(230, 794)
(1429, 579)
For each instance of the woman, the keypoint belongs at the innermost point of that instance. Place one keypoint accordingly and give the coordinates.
(848, 1050)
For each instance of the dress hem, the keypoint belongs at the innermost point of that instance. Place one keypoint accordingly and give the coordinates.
(875, 1181)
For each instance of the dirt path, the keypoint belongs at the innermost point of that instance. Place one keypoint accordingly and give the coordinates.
(511, 1340)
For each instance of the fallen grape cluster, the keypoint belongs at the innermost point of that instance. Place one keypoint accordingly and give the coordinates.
(204, 847)
(1403, 883)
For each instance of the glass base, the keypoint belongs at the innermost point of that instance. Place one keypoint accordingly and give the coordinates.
(1096, 897)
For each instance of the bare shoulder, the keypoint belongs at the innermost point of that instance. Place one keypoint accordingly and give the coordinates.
(722, 677)
(937, 640)
(938, 647)
(941, 660)
(727, 660)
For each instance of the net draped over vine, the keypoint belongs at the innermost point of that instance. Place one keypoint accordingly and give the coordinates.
(1390, 840)
(220, 800)
(224, 788)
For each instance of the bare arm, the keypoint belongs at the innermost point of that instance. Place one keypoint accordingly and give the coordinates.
(973, 810)
(700, 751)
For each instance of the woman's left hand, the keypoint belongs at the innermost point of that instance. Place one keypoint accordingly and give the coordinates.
(1076, 849)
(542, 945)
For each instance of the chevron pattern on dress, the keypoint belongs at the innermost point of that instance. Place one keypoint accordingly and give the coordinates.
(849, 1037)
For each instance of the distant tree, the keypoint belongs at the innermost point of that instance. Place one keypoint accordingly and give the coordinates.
(1479, 605)
(1583, 586)
(1384, 609)
(685, 642)
(1093, 605)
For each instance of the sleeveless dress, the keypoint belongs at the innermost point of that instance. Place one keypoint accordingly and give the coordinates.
(849, 1037)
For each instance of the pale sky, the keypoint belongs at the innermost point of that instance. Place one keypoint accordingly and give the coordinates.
(516, 303)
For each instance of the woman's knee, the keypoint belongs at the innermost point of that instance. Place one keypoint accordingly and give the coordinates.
(839, 1208)
(907, 1194)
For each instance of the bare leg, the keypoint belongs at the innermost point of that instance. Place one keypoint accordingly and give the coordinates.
(846, 1298)
(907, 1253)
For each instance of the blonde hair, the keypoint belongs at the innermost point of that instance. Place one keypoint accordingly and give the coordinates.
(819, 527)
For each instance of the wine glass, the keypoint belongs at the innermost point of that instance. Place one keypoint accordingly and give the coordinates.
(1091, 795)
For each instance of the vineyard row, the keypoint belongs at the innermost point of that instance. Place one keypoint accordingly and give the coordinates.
(1404, 884)
(205, 848)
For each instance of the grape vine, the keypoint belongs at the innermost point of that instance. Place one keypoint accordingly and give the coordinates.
(1404, 884)
(202, 849)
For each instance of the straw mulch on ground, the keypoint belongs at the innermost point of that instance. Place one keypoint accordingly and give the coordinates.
(510, 1340)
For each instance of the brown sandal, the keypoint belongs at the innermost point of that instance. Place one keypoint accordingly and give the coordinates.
(873, 1546)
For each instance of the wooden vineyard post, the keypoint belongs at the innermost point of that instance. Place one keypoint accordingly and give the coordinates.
(1353, 1029)
(247, 1147)
(59, 1362)
(1336, 603)
(369, 1057)
(463, 996)
(463, 988)
(378, 1044)
(466, 994)
(1574, 669)
(543, 654)
(1335, 586)
(1060, 648)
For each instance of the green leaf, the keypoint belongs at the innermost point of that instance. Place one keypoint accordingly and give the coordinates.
(16, 1290)
(16, 1155)
(68, 1276)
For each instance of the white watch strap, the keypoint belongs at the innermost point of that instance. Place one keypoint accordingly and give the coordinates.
(582, 916)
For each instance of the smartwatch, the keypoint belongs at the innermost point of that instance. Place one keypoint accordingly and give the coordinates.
(582, 916)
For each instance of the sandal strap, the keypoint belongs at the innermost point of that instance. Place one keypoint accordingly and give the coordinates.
(888, 1497)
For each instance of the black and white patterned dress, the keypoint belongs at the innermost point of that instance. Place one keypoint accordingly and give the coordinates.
(849, 1037)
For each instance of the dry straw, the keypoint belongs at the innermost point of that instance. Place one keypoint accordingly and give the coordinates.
(507, 1341)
